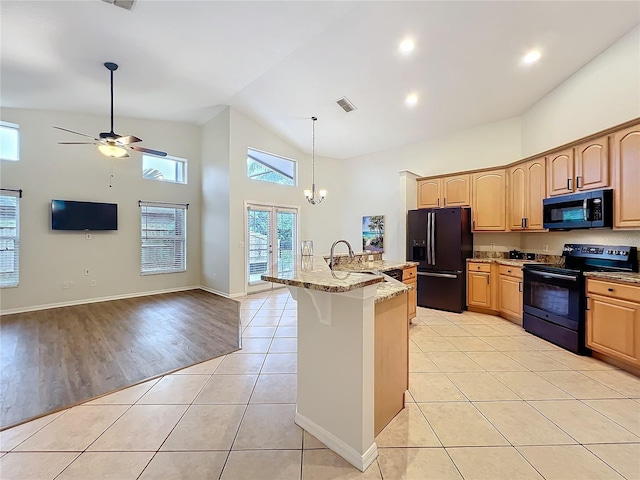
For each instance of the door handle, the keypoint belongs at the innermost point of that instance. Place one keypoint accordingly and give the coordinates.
(433, 239)
(519, 286)
(569, 182)
(429, 238)
(438, 275)
(522, 222)
(526, 222)
(578, 181)
(553, 275)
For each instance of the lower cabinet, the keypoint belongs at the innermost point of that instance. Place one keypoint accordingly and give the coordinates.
(613, 320)
(409, 277)
(510, 293)
(479, 285)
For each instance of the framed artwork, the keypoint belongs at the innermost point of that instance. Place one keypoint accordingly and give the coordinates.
(373, 233)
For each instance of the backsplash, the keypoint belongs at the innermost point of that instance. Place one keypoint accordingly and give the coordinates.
(364, 257)
(555, 260)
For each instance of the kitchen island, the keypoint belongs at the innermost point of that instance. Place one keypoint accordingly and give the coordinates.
(352, 354)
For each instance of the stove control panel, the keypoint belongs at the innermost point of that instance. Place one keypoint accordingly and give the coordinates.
(597, 251)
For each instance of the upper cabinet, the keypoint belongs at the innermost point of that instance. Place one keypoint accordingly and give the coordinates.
(585, 167)
(592, 164)
(454, 191)
(527, 190)
(488, 201)
(626, 167)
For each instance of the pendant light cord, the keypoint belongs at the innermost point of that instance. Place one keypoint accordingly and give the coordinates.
(313, 154)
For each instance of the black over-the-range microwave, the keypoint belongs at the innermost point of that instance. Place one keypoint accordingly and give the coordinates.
(579, 210)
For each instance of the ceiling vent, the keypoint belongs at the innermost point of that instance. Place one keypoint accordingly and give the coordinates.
(346, 105)
(126, 4)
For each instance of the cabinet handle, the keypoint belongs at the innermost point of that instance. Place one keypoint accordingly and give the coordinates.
(587, 306)
(578, 181)
(488, 282)
(526, 222)
(445, 201)
(569, 182)
(519, 286)
(474, 224)
(478, 267)
(438, 202)
(522, 222)
(508, 271)
(610, 289)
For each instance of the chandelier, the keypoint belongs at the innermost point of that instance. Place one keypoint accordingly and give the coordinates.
(311, 194)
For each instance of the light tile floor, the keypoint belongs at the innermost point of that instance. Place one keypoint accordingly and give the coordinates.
(487, 401)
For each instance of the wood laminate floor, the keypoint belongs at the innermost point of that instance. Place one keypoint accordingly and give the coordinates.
(59, 357)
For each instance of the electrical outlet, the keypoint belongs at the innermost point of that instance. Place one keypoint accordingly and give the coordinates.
(72, 284)
(493, 246)
(65, 285)
(213, 277)
(93, 283)
(87, 271)
(87, 236)
(241, 245)
(545, 248)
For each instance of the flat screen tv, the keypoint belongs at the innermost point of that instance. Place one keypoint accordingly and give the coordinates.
(72, 215)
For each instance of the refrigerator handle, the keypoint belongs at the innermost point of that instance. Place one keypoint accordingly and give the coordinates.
(428, 238)
(433, 239)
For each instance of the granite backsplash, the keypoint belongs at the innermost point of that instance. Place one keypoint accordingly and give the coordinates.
(555, 260)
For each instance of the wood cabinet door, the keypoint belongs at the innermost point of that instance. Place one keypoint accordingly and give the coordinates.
(479, 289)
(626, 184)
(429, 193)
(592, 164)
(412, 298)
(456, 191)
(613, 328)
(536, 192)
(489, 201)
(560, 173)
(511, 296)
(516, 212)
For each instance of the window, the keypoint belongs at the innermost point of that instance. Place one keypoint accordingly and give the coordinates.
(9, 238)
(271, 168)
(164, 169)
(163, 238)
(9, 141)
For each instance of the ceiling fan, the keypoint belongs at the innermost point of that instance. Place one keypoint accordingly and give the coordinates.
(109, 143)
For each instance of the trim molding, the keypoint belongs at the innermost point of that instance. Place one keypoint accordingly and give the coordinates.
(101, 299)
(361, 462)
(222, 294)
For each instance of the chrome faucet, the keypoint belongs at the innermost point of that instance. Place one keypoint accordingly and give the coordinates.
(351, 254)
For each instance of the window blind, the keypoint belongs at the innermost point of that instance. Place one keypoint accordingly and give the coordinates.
(9, 238)
(163, 238)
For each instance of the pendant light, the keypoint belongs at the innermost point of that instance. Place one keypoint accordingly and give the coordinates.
(311, 194)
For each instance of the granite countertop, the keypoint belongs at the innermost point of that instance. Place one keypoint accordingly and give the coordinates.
(626, 277)
(511, 262)
(315, 274)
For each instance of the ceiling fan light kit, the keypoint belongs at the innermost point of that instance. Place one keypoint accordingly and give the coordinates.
(111, 144)
(311, 194)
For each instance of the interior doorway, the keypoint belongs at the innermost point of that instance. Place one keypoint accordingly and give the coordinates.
(272, 239)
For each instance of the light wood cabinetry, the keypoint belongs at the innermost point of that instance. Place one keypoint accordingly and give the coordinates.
(585, 167)
(410, 277)
(429, 193)
(527, 190)
(479, 285)
(391, 363)
(488, 201)
(613, 320)
(453, 191)
(592, 164)
(626, 167)
(510, 293)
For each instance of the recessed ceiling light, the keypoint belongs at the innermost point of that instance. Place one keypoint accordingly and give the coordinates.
(532, 57)
(407, 46)
(411, 99)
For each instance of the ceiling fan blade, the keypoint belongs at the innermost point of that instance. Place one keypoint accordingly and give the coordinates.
(77, 133)
(77, 143)
(126, 140)
(157, 153)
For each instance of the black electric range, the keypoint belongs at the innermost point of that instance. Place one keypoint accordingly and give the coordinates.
(554, 299)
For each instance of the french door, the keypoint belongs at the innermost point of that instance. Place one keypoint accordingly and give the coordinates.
(272, 238)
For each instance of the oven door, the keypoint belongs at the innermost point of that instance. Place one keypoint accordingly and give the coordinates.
(554, 296)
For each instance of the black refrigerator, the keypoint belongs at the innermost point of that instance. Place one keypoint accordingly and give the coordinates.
(440, 239)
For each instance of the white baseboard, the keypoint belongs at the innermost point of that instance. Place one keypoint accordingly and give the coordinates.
(360, 461)
(222, 294)
(96, 300)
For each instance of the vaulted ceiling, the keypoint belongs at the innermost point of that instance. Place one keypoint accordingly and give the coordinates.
(282, 62)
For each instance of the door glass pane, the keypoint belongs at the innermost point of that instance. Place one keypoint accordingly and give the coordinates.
(286, 226)
(259, 243)
(550, 298)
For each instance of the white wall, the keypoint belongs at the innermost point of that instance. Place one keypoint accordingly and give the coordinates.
(374, 186)
(215, 203)
(604, 93)
(49, 171)
(317, 223)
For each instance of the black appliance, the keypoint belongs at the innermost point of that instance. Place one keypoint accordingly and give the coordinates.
(579, 210)
(72, 215)
(440, 240)
(554, 299)
(396, 274)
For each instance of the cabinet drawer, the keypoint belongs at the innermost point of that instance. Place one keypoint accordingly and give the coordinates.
(510, 271)
(479, 267)
(409, 273)
(615, 290)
